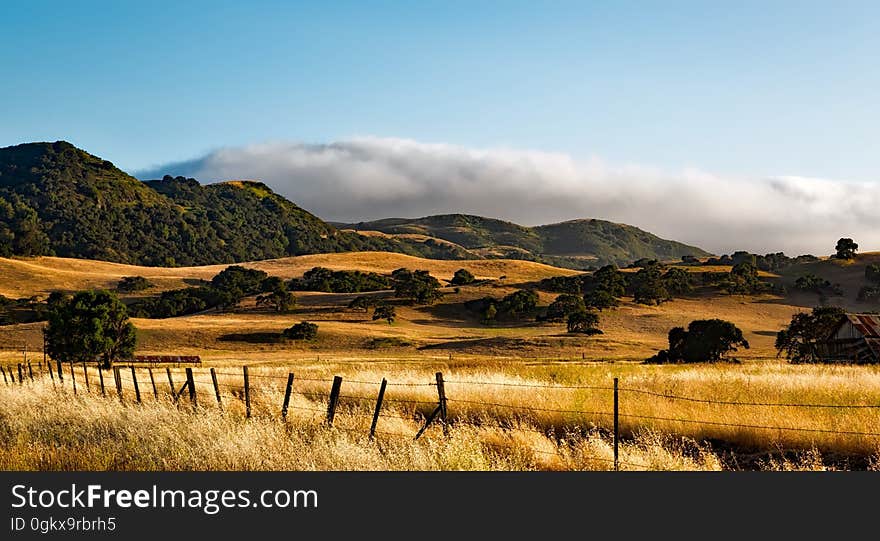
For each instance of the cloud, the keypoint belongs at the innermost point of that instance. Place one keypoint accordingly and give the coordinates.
(370, 178)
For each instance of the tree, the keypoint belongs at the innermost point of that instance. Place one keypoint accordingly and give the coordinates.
(649, 287)
(610, 279)
(386, 312)
(811, 282)
(599, 299)
(846, 249)
(418, 286)
(518, 303)
(276, 295)
(362, 302)
(800, 339)
(462, 277)
(677, 281)
(584, 322)
(301, 331)
(743, 280)
(565, 305)
(489, 314)
(88, 326)
(236, 282)
(705, 340)
(130, 284)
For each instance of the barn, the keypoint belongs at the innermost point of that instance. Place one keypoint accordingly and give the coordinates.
(856, 339)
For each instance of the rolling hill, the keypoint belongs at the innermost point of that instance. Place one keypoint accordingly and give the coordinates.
(58, 200)
(572, 244)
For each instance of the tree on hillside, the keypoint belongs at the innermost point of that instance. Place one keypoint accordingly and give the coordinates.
(301, 331)
(462, 277)
(743, 280)
(599, 299)
(130, 284)
(276, 295)
(418, 286)
(584, 323)
(89, 326)
(518, 303)
(609, 279)
(648, 285)
(800, 339)
(386, 312)
(362, 302)
(846, 249)
(705, 340)
(236, 282)
(677, 281)
(565, 305)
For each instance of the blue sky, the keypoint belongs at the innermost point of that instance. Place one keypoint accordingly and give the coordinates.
(731, 125)
(745, 87)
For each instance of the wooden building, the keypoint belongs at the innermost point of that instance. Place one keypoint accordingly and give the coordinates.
(856, 339)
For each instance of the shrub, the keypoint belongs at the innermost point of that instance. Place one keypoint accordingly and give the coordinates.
(301, 331)
(386, 312)
(130, 284)
(584, 322)
(462, 277)
(329, 281)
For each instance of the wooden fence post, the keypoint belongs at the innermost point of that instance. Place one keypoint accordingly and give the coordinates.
(441, 398)
(334, 399)
(6, 381)
(118, 378)
(60, 373)
(153, 383)
(137, 390)
(30, 371)
(378, 408)
(216, 387)
(287, 391)
(192, 386)
(20, 374)
(51, 373)
(72, 377)
(247, 392)
(616, 428)
(171, 385)
(101, 379)
(86, 377)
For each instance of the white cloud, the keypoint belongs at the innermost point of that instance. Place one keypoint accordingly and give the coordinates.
(369, 178)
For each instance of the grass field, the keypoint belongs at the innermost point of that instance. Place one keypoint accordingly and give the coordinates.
(504, 360)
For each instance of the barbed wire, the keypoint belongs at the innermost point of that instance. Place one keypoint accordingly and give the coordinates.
(736, 403)
(530, 385)
(740, 425)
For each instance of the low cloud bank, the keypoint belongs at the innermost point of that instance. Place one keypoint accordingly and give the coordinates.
(370, 178)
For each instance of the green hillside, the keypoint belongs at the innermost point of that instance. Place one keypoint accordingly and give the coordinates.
(574, 244)
(56, 199)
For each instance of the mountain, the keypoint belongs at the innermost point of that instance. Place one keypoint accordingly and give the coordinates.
(56, 199)
(573, 244)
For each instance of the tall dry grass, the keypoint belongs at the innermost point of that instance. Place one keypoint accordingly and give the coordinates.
(48, 427)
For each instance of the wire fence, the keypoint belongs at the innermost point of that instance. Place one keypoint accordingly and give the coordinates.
(420, 403)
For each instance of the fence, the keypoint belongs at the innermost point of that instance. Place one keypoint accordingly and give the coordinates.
(201, 388)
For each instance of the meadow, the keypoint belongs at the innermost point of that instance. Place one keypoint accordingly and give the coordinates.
(525, 396)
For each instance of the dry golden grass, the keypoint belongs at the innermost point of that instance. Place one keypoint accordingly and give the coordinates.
(41, 275)
(446, 337)
(87, 432)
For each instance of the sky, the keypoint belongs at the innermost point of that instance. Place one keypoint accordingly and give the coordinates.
(730, 125)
